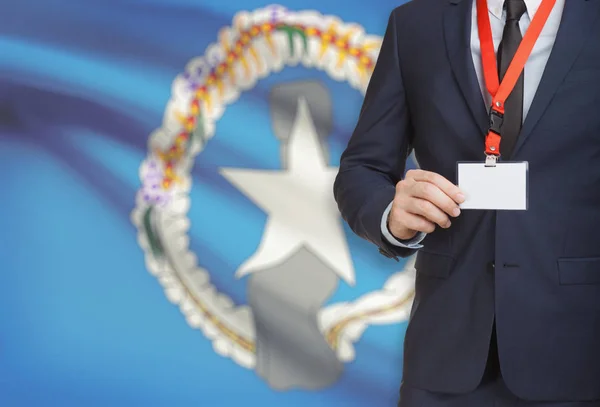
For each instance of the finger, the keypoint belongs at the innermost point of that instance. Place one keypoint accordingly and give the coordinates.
(415, 222)
(442, 183)
(430, 192)
(429, 211)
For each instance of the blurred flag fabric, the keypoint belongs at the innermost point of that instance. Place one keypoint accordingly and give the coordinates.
(168, 235)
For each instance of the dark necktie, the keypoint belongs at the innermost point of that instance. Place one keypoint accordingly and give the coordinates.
(513, 107)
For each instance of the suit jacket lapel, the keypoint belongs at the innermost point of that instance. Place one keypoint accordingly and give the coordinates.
(457, 34)
(577, 20)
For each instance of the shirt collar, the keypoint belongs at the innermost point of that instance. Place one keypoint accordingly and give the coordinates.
(496, 7)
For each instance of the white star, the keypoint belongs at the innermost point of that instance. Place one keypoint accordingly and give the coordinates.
(299, 204)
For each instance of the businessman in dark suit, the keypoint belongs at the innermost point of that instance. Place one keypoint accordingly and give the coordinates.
(507, 305)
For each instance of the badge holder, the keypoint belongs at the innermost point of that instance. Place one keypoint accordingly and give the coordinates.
(494, 185)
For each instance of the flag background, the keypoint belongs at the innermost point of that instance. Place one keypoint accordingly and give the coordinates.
(83, 323)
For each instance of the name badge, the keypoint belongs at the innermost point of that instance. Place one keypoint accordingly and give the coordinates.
(502, 186)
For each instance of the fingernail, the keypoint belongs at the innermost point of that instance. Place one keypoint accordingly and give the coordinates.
(460, 198)
(456, 212)
(447, 225)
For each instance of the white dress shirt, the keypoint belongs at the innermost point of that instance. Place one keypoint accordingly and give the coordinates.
(534, 68)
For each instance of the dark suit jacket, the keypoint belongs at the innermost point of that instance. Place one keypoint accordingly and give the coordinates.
(545, 290)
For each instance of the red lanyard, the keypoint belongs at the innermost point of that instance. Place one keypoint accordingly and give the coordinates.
(501, 91)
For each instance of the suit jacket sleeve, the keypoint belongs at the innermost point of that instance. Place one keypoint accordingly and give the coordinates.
(375, 158)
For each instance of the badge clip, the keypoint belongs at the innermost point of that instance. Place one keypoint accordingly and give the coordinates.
(490, 160)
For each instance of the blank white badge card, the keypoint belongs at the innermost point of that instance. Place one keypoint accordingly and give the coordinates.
(501, 187)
